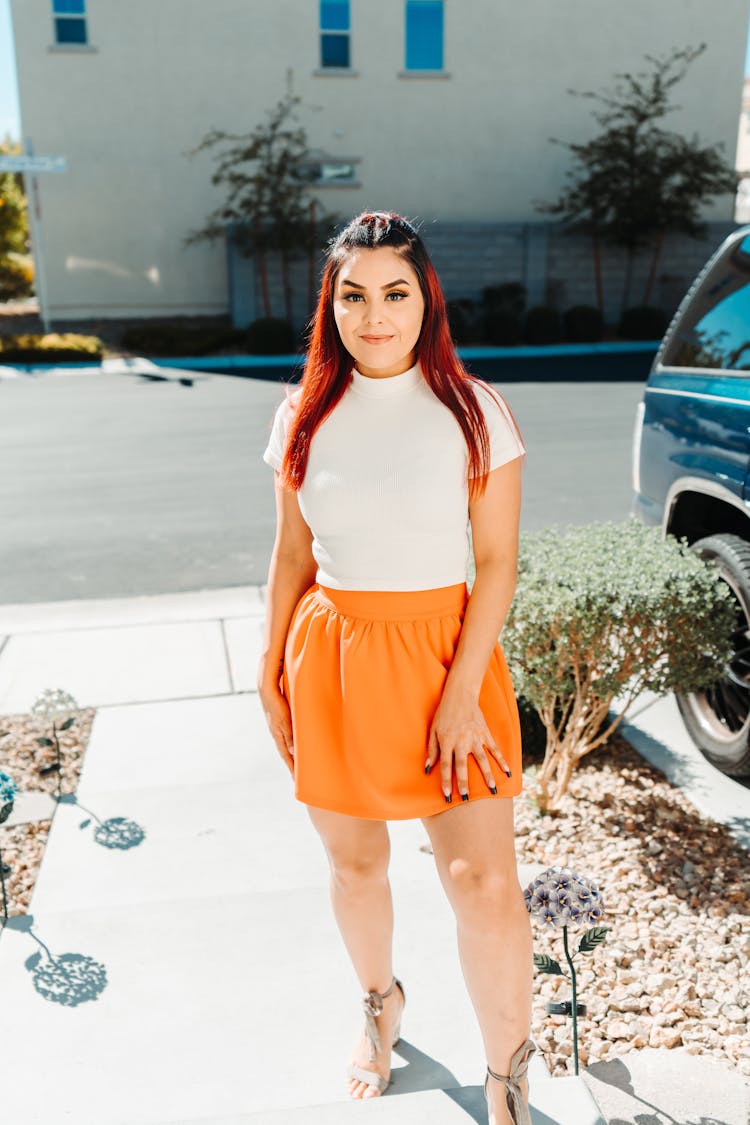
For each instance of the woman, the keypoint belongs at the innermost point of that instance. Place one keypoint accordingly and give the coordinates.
(380, 677)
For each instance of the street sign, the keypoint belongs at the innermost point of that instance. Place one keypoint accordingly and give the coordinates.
(33, 164)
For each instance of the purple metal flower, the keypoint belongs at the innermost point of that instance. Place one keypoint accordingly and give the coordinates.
(561, 897)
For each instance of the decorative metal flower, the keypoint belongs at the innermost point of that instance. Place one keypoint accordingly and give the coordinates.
(7, 794)
(562, 899)
(54, 703)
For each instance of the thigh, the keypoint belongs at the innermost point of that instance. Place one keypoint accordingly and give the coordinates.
(351, 840)
(475, 838)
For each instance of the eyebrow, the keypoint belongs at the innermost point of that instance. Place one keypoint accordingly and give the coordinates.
(399, 281)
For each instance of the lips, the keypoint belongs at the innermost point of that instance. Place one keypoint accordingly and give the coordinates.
(376, 339)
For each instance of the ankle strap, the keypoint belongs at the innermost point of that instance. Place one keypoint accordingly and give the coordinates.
(372, 1003)
(518, 1066)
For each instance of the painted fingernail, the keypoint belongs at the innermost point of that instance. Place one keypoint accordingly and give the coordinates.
(508, 772)
(427, 768)
(448, 797)
(493, 789)
(464, 796)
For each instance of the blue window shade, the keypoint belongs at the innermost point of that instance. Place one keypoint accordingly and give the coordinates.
(334, 50)
(424, 34)
(69, 30)
(334, 15)
(69, 7)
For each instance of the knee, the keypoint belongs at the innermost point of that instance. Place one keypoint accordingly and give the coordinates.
(479, 889)
(354, 870)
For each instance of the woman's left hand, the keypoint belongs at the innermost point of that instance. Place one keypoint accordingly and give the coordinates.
(459, 729)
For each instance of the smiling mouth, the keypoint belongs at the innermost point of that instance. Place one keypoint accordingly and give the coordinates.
(377, 337)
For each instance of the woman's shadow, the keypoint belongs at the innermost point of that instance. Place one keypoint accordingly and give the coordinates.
(422, 1072)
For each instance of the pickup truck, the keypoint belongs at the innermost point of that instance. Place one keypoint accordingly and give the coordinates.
(691, 471)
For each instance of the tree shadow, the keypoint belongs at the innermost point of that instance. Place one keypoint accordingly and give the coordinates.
(679, 850)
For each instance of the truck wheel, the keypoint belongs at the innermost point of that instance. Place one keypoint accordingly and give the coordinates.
(718, 718)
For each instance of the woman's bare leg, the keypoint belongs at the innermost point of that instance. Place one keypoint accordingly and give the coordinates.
(358, 853)
(475, 857)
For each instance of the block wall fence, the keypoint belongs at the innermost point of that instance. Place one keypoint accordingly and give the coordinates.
(556, 267)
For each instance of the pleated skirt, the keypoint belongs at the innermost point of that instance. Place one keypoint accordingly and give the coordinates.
(363, 674)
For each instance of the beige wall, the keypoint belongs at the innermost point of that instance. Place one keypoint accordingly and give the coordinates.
(469, 147)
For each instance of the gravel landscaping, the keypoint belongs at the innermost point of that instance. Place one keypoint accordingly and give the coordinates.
(21, 757)
(673, 969)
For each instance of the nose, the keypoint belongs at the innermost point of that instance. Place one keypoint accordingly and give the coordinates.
(374, 315)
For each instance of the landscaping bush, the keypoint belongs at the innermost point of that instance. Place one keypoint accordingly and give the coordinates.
(179, 339)
(583, 324)
(462, 319)
(543, 325)
(643, 322)
(502, 313)
(68, 347)
(606, 611)
(16, 279)
(271, 335)
(503, 328)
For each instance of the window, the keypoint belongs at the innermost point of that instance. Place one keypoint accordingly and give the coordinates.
(714, 331)
(334, 33)
(324, 172)
(70, 21)
(424, 34)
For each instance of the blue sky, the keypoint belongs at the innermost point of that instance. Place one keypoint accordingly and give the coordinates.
(9, 113)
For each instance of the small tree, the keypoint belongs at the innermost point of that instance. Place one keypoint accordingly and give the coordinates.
(267, 201)
(14, 228)
(636, 182)
(606, 611)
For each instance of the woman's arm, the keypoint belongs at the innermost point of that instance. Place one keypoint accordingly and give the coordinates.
(458, 727)
(291, 571)
(494, 519)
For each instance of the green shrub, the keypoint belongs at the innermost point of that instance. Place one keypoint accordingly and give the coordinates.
(462, 319)
(179, 339)
(533, 731)
(502, 313)
(68, 347)
(606, 611)
(643, 322)
(16, 280)
(543, 325)
(503, 328)
(271, 336)
(511, 295)
(583, 324)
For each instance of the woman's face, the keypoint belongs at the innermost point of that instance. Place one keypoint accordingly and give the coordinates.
(378, 308)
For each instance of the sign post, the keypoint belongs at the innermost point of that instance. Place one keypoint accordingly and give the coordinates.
(28, 163)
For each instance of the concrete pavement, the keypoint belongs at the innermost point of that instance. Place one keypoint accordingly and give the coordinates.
(180, 962)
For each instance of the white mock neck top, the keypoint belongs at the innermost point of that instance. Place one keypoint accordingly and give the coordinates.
(386, 489)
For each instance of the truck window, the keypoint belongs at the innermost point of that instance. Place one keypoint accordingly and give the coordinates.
(714, 330)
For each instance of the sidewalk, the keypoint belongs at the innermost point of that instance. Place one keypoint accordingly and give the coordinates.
(222, 993)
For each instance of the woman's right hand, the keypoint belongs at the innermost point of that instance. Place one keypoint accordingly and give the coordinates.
(279, 720)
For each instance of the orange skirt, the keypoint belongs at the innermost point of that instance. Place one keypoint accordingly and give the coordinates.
(363, 674)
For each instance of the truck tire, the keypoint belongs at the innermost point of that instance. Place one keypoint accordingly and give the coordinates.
(718, 718)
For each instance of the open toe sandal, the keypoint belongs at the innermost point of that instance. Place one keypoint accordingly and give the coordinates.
(514, 1100)
(372, 1003)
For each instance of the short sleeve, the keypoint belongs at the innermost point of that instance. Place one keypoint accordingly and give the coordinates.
(506, 442)
(274, 451)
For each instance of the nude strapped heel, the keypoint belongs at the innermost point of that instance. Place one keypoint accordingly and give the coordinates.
(517, 1107)
(372, 1003)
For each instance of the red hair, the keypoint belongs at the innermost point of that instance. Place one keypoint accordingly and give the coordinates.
(328, 364)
